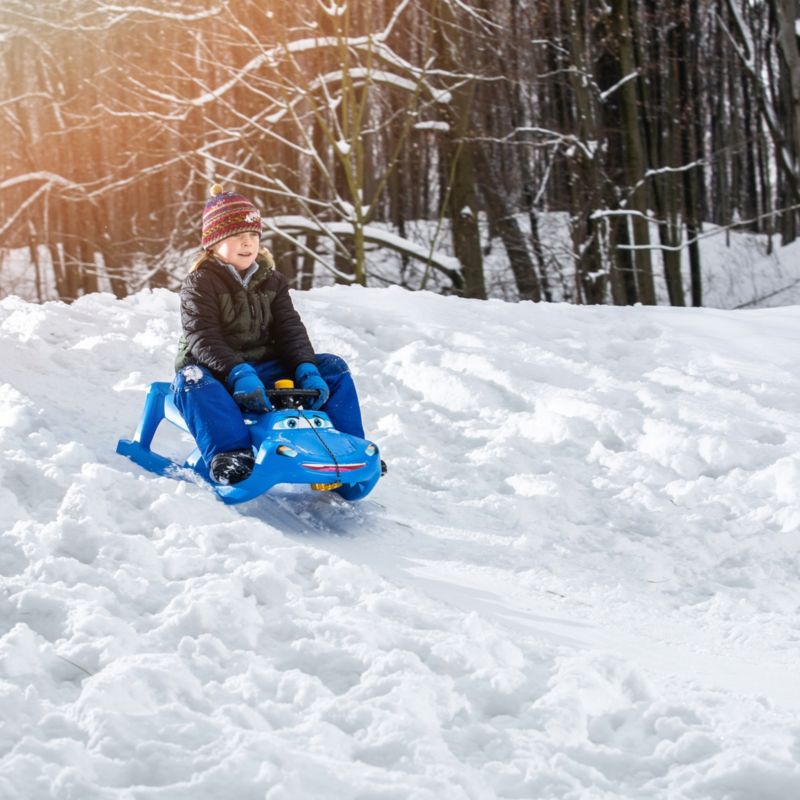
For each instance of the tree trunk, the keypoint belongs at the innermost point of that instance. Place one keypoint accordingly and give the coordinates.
(634, 156)
(536, 244)
(669, 227)
(502, 219)
(459, 158)
(463, 212)
(786, 12)
(623, 282)
(586, 191)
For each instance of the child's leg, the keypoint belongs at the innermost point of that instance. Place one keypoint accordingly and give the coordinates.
(342, 406)
(211, 414)
(271, 371)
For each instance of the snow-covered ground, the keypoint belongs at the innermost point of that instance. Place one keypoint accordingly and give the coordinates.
(579, 579)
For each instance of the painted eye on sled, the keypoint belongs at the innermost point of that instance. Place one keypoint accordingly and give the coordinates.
(294, 423)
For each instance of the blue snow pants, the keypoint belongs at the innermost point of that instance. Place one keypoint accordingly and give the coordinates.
(215, 420)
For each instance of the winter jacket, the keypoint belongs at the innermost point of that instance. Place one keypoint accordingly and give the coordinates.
(225, 324)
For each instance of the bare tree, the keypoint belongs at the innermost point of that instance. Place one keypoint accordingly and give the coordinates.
(386, 139)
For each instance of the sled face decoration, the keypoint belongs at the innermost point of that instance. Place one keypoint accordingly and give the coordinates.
(292, 445)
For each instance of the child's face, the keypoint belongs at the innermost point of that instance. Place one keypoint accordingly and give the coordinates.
(240, 250)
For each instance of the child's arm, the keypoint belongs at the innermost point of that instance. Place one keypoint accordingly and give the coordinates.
(287, 329)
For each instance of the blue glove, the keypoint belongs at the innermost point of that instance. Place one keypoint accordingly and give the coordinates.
(307, 376)
(248, 390)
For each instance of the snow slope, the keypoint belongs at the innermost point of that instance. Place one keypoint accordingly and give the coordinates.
(579, 580)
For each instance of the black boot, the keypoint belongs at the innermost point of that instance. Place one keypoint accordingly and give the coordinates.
(232, 467)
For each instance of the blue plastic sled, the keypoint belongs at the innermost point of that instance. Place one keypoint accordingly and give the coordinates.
(292, 445)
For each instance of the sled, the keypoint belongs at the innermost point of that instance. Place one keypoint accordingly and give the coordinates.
(292, 445)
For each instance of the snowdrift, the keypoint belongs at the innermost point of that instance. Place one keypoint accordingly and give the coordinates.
(579, 580)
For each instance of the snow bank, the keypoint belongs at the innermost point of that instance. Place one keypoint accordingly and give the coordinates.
(579, 579)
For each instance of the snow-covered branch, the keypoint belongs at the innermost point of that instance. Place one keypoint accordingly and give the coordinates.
(374, 235)
(604, 95)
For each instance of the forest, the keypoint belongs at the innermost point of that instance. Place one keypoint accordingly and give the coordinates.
(396, 141)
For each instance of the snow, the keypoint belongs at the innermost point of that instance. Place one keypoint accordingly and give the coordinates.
(375, 234)
(359, 75)
(334, 9)
(432, 125)
(578, 580)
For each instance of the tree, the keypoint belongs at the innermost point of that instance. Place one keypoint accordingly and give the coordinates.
(371, 132)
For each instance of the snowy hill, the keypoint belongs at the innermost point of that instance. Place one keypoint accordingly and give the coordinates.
(579, 580)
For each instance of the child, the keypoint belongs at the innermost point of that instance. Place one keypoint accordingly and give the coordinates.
(240, 334)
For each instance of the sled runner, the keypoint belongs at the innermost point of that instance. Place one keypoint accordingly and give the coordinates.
(292, 445)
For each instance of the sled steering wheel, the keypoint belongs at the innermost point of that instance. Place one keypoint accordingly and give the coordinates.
(291, 398)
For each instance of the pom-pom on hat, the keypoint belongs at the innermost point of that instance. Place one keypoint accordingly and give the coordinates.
(227, 214)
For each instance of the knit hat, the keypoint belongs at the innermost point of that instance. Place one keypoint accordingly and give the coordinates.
(227, 214)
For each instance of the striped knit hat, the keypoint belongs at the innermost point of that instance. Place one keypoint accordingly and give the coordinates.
(227, 214)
